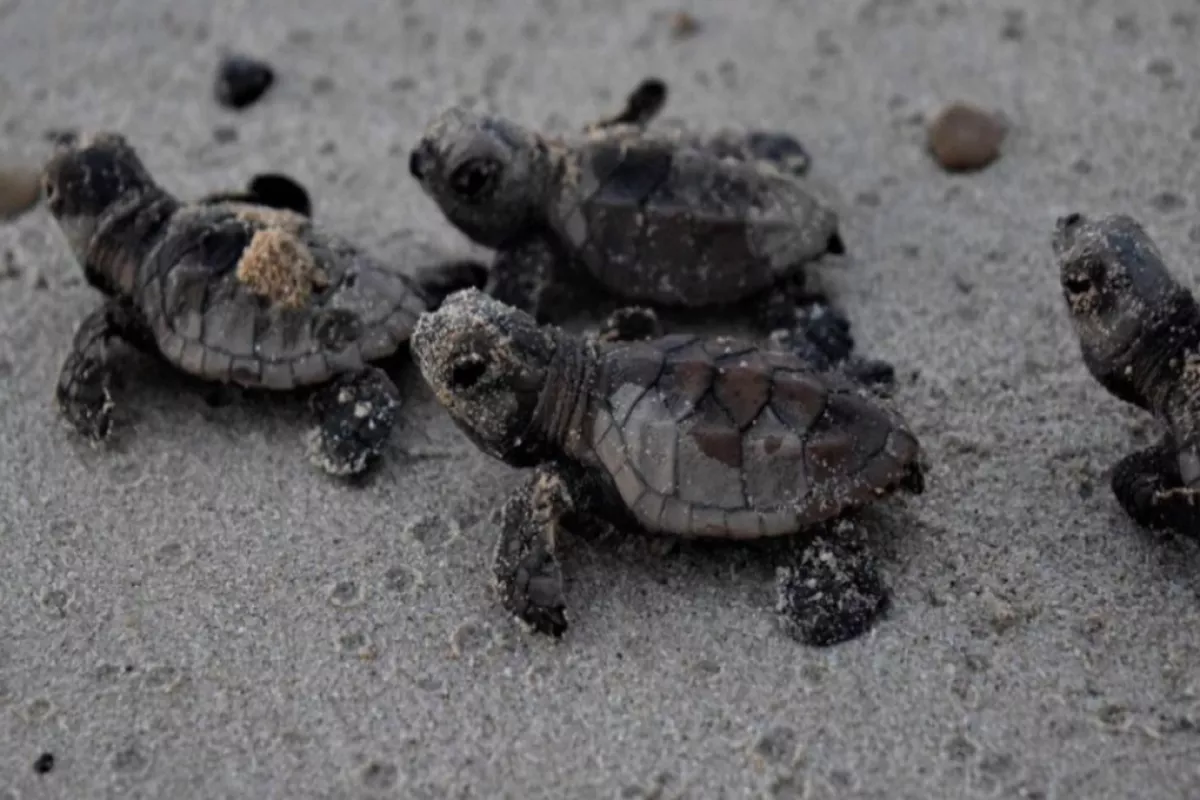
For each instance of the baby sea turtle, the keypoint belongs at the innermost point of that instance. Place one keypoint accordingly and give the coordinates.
(663, 218)
(230, 292)
(680, 435)
(1139, 333)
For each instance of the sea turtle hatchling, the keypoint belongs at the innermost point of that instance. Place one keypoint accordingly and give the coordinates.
(1139, 334)
(682, 435)
(232, 293)
(662, 218)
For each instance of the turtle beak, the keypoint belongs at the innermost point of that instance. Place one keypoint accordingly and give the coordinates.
(421, 160)
(1065, 228)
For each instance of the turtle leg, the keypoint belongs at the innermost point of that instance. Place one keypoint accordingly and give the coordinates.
(830, 591)
(84, 391)
(439, 281)
(525, 276)
(355, 416)
(1148, 486)
(526, 570)
(630, 324)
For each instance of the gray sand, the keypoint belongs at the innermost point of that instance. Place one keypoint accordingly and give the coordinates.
(196, 612)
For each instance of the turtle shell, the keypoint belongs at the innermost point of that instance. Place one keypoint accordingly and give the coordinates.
(263, 298)
(658, 222)
(722, 438)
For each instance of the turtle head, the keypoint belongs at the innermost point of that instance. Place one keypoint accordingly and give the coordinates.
(487, 363)
(87, 181)
(486, 173)
(1114, 281)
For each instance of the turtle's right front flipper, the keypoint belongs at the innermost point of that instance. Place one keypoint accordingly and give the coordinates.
(84, 392)
(1150, 489)
(526, 569)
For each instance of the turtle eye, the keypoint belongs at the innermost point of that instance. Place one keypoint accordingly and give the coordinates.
(467, 371)
(475, 179)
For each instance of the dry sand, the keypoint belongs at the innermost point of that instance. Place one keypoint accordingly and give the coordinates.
(196, 612)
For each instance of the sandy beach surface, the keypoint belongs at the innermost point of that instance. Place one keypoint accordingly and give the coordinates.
(195, 611)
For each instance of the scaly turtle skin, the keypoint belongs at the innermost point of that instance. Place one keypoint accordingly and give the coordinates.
(1139, 334)
(231, 293)
(664, 218)
(681, 435)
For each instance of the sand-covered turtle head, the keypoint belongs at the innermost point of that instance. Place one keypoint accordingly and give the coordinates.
(1113, 279)
(486, 173)
(85, 179)
(487, 363)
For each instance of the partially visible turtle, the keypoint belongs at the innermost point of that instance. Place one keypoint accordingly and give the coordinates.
(705, 438)
(664, 218)
(1139, 334)
(233, 293)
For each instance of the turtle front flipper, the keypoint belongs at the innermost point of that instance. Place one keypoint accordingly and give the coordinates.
(441, 280)
(1150, 489)
(84, 393)
(830, 591)
(526, 570)
(272, 190)
(642, 105)
(356, 413)
(526, 276)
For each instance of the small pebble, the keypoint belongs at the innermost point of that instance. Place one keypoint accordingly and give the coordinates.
(242, 80)
(963, 138)
(44, 763)
(20, 189)
(684, 25)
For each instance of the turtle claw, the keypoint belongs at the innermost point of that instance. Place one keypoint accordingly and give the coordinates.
(356, 415)
(831, 593)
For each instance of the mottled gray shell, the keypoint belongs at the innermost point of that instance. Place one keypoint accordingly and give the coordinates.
(660, 223)
(262, 298)
(719, 438)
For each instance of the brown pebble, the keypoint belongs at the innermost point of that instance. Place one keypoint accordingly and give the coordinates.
(20, 189)
(684, 25)
(963, 138)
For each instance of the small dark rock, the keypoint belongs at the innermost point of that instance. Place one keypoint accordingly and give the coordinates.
(963, 138)
(44, 763)
(223, 134)
(242, 80)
